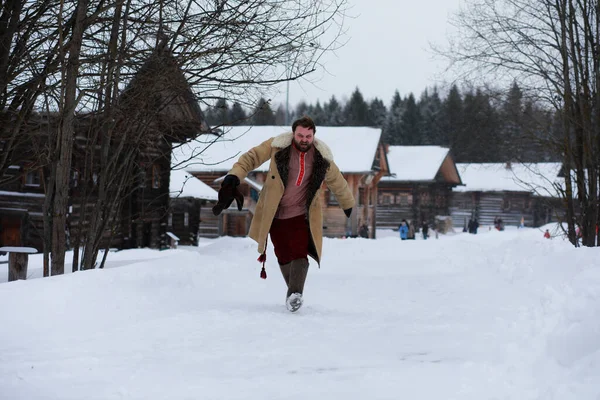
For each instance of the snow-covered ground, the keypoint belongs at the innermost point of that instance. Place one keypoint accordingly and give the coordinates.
(498, 315)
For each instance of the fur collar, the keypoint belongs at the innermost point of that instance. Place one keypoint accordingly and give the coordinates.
(285, 139)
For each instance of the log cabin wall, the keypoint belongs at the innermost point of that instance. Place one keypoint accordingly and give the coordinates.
(416, 203)
(184, 219)
(21, 201)
(210, 225)
(146, 210)
(506, 205)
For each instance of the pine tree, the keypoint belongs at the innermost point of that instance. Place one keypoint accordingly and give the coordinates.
(356, 110)
(318, 114)
(411, 122)
(222, 112)
(512, 123)
(237, 115)
(431, 118)
(263, 114)
(280, 118)
(452, 123)
(480, 140)
(334, 113)
(392, 128)
(377, 113)
(217, 115)
(302, 109)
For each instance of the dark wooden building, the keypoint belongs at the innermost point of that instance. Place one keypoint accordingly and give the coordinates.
(190, 198)
(509, 191)
(419, 188)
(171, 115)
(358, 152)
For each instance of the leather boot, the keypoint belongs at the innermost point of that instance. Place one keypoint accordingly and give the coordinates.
(298, 272)
(285, 271)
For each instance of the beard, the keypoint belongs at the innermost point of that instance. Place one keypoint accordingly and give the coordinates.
(302, 146)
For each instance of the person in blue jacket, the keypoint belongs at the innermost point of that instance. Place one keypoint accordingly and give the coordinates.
(403, 230)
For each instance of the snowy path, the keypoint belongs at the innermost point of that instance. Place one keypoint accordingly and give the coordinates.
(458, 318)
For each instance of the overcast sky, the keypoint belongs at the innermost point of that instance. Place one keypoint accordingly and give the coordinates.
(388, 49)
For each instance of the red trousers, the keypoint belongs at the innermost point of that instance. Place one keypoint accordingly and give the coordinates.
(290, 238)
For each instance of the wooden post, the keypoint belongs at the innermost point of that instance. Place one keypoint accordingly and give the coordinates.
(17, 261)
(17, 266)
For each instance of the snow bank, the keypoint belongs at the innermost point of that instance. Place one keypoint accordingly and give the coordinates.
(497, 315)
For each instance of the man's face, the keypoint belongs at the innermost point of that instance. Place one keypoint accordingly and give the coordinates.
(303, 138)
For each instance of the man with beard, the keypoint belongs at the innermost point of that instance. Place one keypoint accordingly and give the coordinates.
(289, 206)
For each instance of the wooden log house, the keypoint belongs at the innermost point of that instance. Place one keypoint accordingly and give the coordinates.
(509, 191)
(358, 152)
(419, 187)
(161, 90)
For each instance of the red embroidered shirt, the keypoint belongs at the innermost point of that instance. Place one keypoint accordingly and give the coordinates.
(293, 202)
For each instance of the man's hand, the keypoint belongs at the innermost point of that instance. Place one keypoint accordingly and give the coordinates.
(348, 211)
(228, 192)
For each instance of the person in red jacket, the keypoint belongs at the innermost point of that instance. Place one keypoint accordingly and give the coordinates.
(547, 234)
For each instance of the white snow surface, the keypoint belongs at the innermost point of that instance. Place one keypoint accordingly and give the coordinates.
(414, 163)
(538, 178)
(184, 184)
(498, 315)
(353, 148)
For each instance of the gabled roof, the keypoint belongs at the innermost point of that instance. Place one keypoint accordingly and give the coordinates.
(417, 163)
(536, 178)
(184, 184)
(353, 148)
(161, 77)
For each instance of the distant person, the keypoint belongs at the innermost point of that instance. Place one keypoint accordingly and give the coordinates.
(411, 231)
(403, 229)
(547, 234)
(500, 224)
(473, 225)
(522, 224)
(425, 230)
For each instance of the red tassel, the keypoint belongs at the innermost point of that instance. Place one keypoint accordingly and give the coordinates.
(263, 259)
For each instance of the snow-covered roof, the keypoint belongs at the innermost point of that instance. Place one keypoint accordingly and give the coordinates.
(183, 184)
(21, 194)
(414, 163)
(172, 236)
(353, 148)
(520, 177)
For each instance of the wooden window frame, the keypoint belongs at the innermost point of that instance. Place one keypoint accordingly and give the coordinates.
(32, 172)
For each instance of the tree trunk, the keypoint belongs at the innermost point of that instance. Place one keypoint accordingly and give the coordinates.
(17, 266)
(66, 133)
(75, 266)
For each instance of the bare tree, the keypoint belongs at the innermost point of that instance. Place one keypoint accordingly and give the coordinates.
(552, 48)
(123, 111)
(28, 55)
(82, 65)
